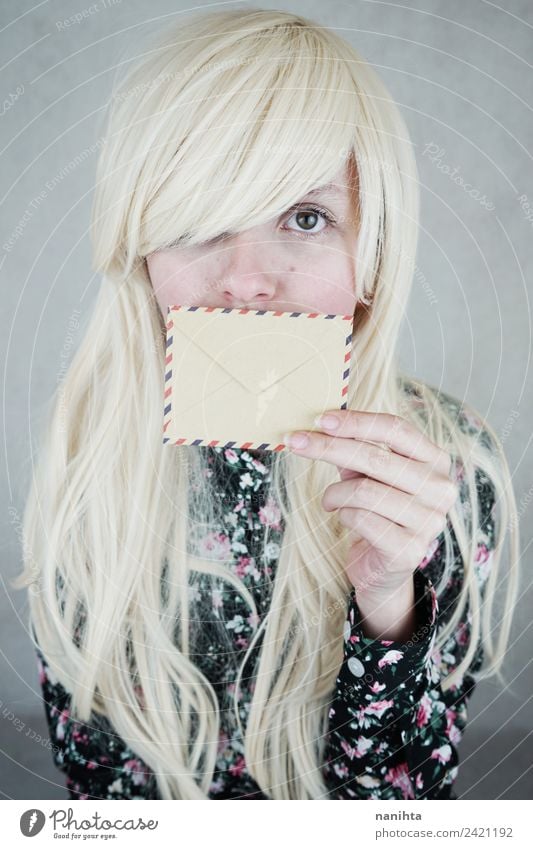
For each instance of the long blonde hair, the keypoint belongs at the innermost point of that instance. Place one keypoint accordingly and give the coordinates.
(231, 116)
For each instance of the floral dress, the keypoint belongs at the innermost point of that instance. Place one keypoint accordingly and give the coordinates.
(393, 733)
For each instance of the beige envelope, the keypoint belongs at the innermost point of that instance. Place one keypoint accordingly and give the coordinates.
(242, 378)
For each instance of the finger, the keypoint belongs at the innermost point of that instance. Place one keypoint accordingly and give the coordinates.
(394, 469)
(400, 507)
(395, 431)
(402, 550)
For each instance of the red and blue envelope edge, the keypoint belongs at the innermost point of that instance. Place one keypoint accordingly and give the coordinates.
(243, 445)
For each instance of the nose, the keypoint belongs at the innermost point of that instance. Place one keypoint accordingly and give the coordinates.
(246, 280)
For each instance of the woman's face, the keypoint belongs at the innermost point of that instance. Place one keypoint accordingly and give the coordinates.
(301, 262)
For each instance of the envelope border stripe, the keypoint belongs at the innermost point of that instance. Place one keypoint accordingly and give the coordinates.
(346, 373)
(226, 311)
(244, 310)
(252, 446)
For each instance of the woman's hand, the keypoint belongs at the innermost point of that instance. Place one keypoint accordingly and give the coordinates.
(397, 501)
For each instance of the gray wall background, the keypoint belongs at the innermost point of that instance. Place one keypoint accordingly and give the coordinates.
(460, 72)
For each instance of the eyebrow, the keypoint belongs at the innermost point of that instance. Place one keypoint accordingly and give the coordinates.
(331, 188)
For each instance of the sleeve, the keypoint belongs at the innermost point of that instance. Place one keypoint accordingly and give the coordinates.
(393, 731)
(97, 763)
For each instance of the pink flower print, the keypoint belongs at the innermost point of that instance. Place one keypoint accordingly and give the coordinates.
(61, 724)
(389, 658)
(452, 732)
(430, 553)
(75, 788)
(241, 642)
(241, 567)
(340, 769)
(253, 620)
(399, 777)
(217, 544)
(377, 708)
(259, 466)
(424, 711)
(462, 634)
(419, 784)
(442, 754)
(350, 750)
(231, 456)
(254, 571)
(454, 735)
(482, 554)
(376, 687)
(239, 506)
(238, 767)
(79, 737)
(270, 514)
(362, 746)
(450, 714)
(137, 770)
(484, 561)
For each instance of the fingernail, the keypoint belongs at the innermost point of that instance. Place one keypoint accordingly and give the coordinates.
(296, 440)
(329, 422)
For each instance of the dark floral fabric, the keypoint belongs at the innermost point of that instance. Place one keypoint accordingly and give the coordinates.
(393, 733)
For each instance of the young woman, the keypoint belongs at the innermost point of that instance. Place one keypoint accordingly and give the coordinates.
(218, 623)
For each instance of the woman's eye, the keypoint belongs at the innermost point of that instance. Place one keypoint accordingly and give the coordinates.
(308, 218)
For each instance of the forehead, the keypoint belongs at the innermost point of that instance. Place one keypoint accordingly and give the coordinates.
(339, 186)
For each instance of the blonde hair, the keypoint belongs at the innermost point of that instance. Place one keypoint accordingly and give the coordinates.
(209, 128)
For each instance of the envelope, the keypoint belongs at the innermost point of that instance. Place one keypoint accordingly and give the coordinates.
(242, 378)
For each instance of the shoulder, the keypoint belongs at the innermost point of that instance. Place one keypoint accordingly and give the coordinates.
(482, 452)
(480, 455)
(460, 414)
